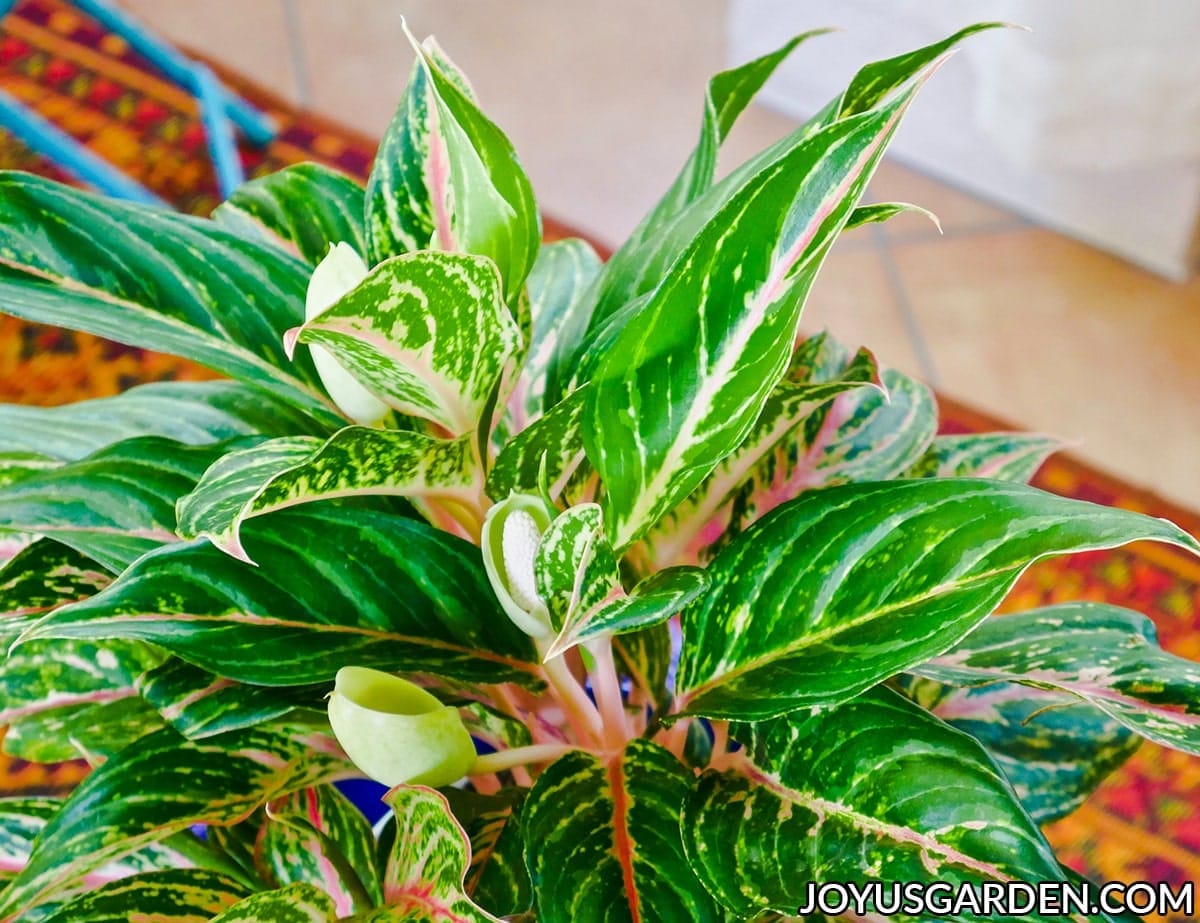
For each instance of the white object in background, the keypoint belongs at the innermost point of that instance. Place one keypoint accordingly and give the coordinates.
(1089, 124)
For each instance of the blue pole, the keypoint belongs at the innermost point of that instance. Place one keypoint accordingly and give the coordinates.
(221, 144)
(256, 126)
(46, 138)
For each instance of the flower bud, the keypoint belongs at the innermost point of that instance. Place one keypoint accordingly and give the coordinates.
(511, 534)
(396, 732)
(337, 274)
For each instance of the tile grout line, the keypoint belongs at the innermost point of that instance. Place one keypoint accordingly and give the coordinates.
(913, 326)
(295, 44)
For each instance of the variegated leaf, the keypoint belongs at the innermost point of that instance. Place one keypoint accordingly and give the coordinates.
(575, 569)
(839, 590)
(616, 853)
(161, 785)
(728, 499)
(626, 275)
(886, 211)
(168, 896)
(550, 448)
(200, 704)
(191, 412)
(647, 658)
(1001, 456)
(112, 506)
(298, 903)
(559, 288)
(21, 820)
(317, 836)
(844, 795)
(424, 879)
(1105, 655)
(152, 278)
(654, 600)
(91, 731)
(687, 377)
(497, 878)
(391, 592)
(18, 465)
(497, 730)
(1054, 749)
(427, 332)
(357, 461)
(306, 206)
(45, 575)
(446, 177)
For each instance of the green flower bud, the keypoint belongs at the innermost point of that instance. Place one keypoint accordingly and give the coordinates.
(511, 534)
(396, 732)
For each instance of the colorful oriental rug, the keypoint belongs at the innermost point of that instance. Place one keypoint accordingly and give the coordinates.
(1142, 824)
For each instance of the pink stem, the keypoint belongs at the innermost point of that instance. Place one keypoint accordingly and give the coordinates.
(607, 687)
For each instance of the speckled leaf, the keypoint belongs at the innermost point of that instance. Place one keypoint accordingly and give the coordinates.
(844, 795)
(603, 841)
(654, 600)
(687, 377)
(726, 501)
(842, 588)
(21, 820)
(191, 412)
(575, 568)
(298, 903)
(356, 461)
(886, 211)
(168, 896)
(161, 280)
(497, 730)
(497, 878)
(200, 704)
(646, 657)
(92, 731)
(112, 506)
(428, 863)
(428, 333)
(1054, 749)
(1001, 456)
(398, 595)
(306, 206)
(161, 785)
(557, 438)
(1105, 655)
(319, 837)
(559, 287)
(45, 575)
(446, 177)
(625, 278)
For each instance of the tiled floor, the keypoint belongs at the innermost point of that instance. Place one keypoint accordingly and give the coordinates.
(602, 101)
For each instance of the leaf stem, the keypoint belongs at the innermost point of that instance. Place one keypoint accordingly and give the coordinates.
(517, 757)
(580, 711)
(607, 688)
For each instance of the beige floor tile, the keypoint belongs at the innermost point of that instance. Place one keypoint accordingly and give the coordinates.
(249, 36)
(1056, 336)
(852, 298)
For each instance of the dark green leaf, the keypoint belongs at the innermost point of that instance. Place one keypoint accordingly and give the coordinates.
(183, 895)
(1001, 456)
(298, 903)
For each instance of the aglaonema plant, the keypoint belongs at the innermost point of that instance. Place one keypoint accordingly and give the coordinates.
(644, 605)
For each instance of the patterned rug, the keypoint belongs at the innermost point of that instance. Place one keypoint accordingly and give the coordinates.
(1143, 822)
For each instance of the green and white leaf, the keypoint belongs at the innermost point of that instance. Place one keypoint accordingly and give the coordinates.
(497, 878)
(445, 177)
(424, 879)
(192, 412)
(496, 729)
(44, 575)
(575, 569)
(167, 896)
(152, 278)
(394, 593)
(1105, 655)
(550, 448)
(843, 588)
(1054, 749)
(21, 820)
(428, 333)
(91, 731)
(617, 852)
(356, 461)
(886, 211)
(18, 465)
(686, 379)
(844, 794)
(112, 506)
(161, 785)
(725, 500)
(200, 704)
(318, 837)
(1000, 456)
(298, 903)
(306, 206)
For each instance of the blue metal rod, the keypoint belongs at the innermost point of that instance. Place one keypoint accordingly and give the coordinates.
(256, 126)
(48, 139)
(221, 144)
